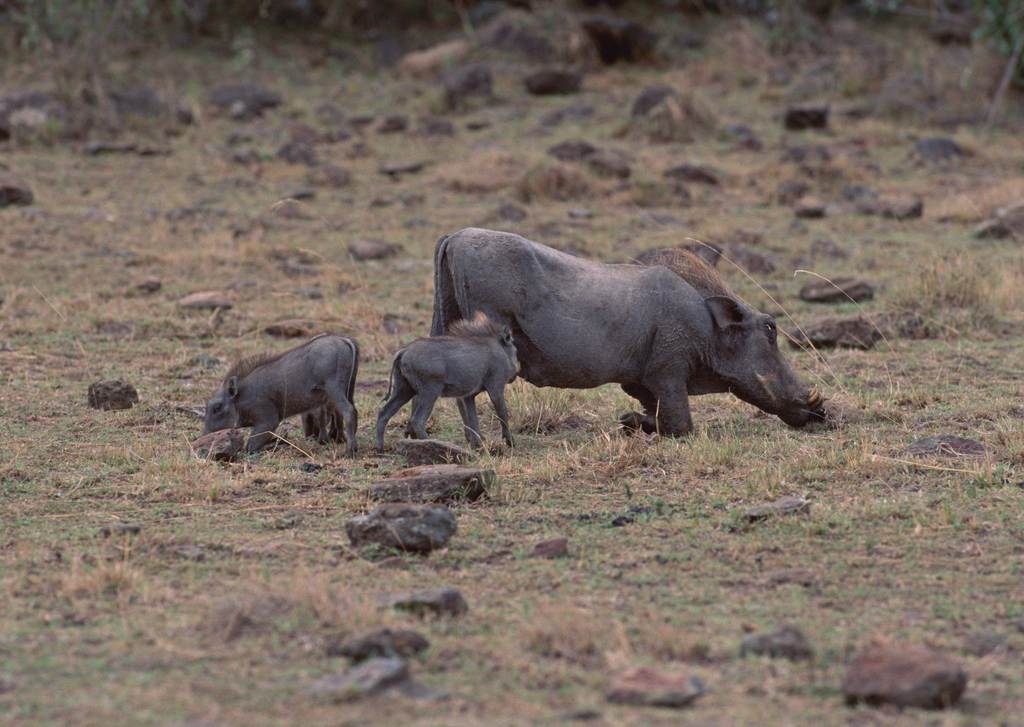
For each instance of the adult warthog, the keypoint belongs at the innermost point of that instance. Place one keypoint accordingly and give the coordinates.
(663, 335)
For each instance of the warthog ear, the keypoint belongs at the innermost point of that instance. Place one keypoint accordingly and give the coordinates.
(724, 311)
(232, 387)
(506, 336)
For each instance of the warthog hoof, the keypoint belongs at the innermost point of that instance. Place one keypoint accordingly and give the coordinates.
(634, 421)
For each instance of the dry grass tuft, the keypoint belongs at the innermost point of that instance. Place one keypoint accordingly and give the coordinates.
(481, 173)
(558, 631)
(960, 285)
(682, 118)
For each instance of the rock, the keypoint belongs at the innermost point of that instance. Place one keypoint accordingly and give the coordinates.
(788, 642)
(14, 192)
(112, 395)
(609, 164)
(387, 643)
(30, 111)
(946, 445)
(243, 100)
(298, 152)
(853, 332)
(366, 679)
(137, 101)
(695, 173)
(801, 118)
(205, 300)
(518, 32)
(904, 675)
(430, 60)
(431, 451)
(752, 261)
(393, 124)
(553, 81)
(396, 169)
(435, 126)
(650, 97)
(220, 446)
(120, 529)
(554, 548)
(618, 39)
(647, 687)
(580, 214)
(429, 602)
(462, 85)
(148, 286)
(362, 249)
(810, 208)
(787, 505)
(1007, 222)
(291, 328)
(572, 151)
(900, 208)
(292, 209)
(837, 290)
(509, 212)
(440, 483)
(412, 528)
(791, 191)
(937, 149)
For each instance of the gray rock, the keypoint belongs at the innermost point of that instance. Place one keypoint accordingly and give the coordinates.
(298, 152)
(787, 505)
(938, 149)
(838, 290)
(412, 528)
(435, 483)
(432, 451)
(429, 602)
(243, 100)
(366, 679)
(402, 643)
(553, 81)
(572, 151)
(788, 642)
(853, 332)
(553, 548)
(362, 249)
(220, 446)
(904, 675)
(396, 170)
(14, 192)
(652, 688)
(946, 445)
(112, 395)
(696, 173)
(810, 208)
(801, 118)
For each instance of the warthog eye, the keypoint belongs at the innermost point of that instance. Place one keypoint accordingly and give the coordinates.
(216, 408)
(771, 330)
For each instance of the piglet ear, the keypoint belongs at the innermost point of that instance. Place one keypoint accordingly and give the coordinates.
(725, 311)
(232, 387)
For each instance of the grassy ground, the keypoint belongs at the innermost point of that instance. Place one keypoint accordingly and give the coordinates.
(220, 609)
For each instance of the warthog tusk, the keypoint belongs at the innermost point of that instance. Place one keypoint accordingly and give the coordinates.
(814, 398)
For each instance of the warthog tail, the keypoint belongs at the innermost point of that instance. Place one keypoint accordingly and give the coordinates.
(444, 290)
(351, 388)
(394, 372)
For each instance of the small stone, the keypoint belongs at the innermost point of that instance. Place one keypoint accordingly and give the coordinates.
(696, 173)
(609, 164)
(553, 81)
(205, 300)
(810, 208)
(853, 332)
(904, 675)
(363, 249)
(292, 209)
(439, 483)
(572, 151)
(429, 602)
(395, 170)
(946, 445)
(388, 643)
(220, 446)
(838, 290)
(148, 286)
(112, 395)
(461, 85)
(938, 149)
(431, 451)
(412, 528)
(554, 548)
(580, 214)
(647, 687)
(788, 642)
(120, 529)
(298, 152)
(292, 328)
(801, 118)
(14, 192)
(366, 679)
(787, 505)
(243, 100)
(393, 124)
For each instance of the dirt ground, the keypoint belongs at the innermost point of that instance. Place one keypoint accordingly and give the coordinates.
(221, 608)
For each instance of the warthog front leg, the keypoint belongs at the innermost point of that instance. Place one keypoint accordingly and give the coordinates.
(646, 422)
(673, 408)
(497, 397)
(262, 436)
